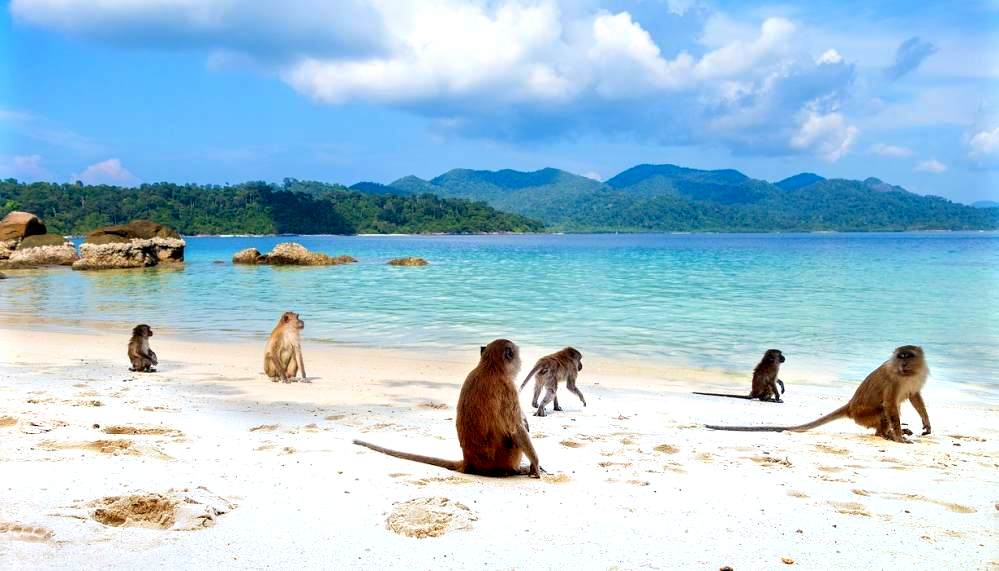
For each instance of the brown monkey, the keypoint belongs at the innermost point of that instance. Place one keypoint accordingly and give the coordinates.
(561, 366)
(142, 357)
(876, 403)
(283, 355)
(765, 379)
(492, 430)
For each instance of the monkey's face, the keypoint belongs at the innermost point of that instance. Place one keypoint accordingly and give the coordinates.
(909, 359)
(774, 355)
(142, 330)
(292, 318)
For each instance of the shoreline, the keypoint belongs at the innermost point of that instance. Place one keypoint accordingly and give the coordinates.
(633, 478)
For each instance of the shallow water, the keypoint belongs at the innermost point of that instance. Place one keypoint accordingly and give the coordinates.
(836, 303)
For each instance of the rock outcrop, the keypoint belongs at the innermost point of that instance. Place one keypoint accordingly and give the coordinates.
(19, 225)
(138, 244)
(289, 254)
(410, 261)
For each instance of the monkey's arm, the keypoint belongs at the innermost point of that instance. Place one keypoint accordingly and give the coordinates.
(781, 383)
(918, 404)
(152, 357)
(773, 388)
(523, 441)
(570, 384)
(301, 364)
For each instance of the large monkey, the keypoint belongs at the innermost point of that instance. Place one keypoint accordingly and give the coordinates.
(492, 430)
(877, 401)
(550, 369)
(283, 355)
(142, 357)
(765, 379)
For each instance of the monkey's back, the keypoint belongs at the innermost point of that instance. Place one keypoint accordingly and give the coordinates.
(486, 419)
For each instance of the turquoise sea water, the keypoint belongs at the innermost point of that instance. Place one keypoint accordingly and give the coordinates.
(836, 302)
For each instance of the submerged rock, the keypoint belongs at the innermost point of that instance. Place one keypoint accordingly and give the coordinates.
(18, 225)
(289, 254)
(410, 261)
(138, 244)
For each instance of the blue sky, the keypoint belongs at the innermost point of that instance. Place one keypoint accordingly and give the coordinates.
(215, 91)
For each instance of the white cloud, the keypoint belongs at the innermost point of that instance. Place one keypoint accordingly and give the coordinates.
(829, 56)
(110, 172)
(892, 151)
(828, 136)
(679, 7)
(26, 168)
(984, 143)
(931, 166)
(593, 175)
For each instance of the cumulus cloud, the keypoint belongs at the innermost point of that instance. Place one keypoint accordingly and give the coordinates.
(908, 56)
(984, 144)
(110, 171)
(892, 151)
(507, 69)
(931, 166)
(27, 168)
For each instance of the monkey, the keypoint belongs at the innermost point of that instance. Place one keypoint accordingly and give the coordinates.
(142, 357)
(492, 429)
(550, 369)
(876, 402)
(283, 355)
(765, 380)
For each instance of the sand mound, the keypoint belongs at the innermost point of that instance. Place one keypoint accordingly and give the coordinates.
(429, 517)
(177, 510)
(21, 532)
(120, 447)
(6, 421)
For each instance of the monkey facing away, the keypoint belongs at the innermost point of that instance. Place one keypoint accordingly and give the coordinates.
(142, 357)
(550, 369)
(877, 401)
(283, 355)
(492, 429)
(765, 379)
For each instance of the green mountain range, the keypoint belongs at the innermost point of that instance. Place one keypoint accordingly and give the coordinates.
(672, 198)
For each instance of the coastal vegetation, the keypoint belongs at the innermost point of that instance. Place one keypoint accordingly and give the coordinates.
(292, 207)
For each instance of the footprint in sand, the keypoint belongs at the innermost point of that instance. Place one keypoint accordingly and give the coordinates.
(7, 421)
(264, 428)
(178, 510)
(433, 405)
(851, 508)
(120, 447)
(705, 457)
(666, 449)
(556, 478)
(570, 444)
(429, 517)
(770, 461)
(40, 426)
(21, 532)
(831, 449)
(797, 494)
(141, 430)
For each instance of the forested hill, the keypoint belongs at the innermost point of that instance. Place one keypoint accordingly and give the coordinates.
(673, 198)
(294, 207)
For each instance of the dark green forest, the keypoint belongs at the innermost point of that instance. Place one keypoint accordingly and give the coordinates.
(293, 207)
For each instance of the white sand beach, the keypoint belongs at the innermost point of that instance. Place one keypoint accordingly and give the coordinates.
(634, 481)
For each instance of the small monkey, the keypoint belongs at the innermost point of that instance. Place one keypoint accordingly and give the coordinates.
(550, 369)
(142, 357)
(765, 379)
(492, 429)
(283, 355)
(877, 401)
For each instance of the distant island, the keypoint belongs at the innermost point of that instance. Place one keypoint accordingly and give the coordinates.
(644, 198)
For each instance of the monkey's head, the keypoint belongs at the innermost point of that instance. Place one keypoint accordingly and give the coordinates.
(292, 318)
(774, 356)
(503, 353)
(908, 360)
(142, 330)
(575, 356)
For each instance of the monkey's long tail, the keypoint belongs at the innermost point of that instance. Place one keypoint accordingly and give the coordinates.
(449, 464)
(529, 375)
(838, 413)
(724, 395)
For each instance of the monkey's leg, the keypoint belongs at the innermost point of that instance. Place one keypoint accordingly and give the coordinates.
(549, 395)
(556, 405)
(301, 366)
(538, 385)
(279, 368)
(918, 404)
(894, 416)
(773, 389)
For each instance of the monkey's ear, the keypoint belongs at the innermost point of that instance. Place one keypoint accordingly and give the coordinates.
(482, 349)
(508, 353)
(285, 318)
